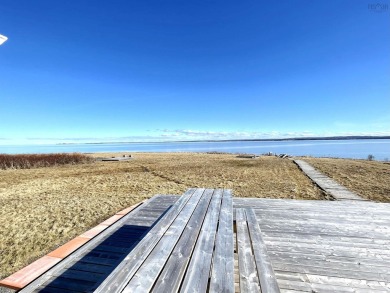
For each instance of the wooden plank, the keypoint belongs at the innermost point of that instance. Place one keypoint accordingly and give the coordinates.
(327, 252)
(265, 271)
(350, 266)
(320, 217)
(80, 275)
(330, 186)
(365, 262)
(99, 260)
(49, 289)
(308, 287)
(318, 279)
(171, 277)
(70, 284)
(198, 271)
(249, 281)
(281, 234)
(90, 268)
(327, 287)
(370, 209)
(113, 248)
(327, 241)
(222, 273)
(118, 279)
(147, 274)
(338, 240)
(280, 244)
(317, 230)
(318, 270)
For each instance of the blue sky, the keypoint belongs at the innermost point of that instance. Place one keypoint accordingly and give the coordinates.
(168, 70)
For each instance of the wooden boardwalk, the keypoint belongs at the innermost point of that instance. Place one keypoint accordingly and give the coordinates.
(331, 187)
(208, 241)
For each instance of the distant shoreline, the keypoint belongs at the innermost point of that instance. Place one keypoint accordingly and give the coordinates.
(236, 140)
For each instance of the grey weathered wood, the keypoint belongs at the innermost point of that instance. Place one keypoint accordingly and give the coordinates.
(147, 274)
(318, 279)
(343, 244)
(280, 255)
(327, 252)
(249, 281)
(171, 277)
(119, 278)
(317, 261)
(222, 274)
(330, 186)
(198, 272)
(265, 271)
(317, 270)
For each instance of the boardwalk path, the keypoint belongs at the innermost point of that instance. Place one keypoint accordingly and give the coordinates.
(330, 186)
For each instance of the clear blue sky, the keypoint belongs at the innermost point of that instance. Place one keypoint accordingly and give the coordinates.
(150, 70)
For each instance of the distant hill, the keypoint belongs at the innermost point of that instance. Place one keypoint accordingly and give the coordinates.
(309, 138)
(252, 139)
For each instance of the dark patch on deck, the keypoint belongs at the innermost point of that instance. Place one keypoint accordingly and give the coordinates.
(86, 272)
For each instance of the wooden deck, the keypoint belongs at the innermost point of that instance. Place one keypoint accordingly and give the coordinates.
(325, 246)
(331, 187)
(208, 241)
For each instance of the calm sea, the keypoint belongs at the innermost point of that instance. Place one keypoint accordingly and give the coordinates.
(357, 149)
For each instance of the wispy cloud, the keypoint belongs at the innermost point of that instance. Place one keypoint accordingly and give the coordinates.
(160, 135)
(216, 135)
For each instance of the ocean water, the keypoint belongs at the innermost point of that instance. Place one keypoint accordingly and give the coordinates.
(356, 149)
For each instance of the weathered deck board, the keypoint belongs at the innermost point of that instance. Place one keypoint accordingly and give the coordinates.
(264, 267)
(147, 274)
(171, 277)
(322, 246)
(198, 274)
(249, 281)
(222, 273)
(327, 184)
